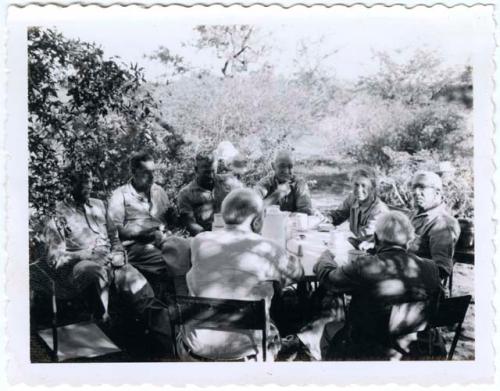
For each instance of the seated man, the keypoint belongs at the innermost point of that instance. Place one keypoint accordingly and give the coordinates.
(436, 230)
(86, 253)
(137, 210)
(392, 275)
(236, 263)
(285, 189)
(362, 208)
(202, 197)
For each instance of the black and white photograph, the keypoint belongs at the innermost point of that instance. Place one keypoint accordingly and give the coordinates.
(256, 186)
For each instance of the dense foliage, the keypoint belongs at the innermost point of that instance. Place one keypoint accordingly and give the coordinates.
(89, 111)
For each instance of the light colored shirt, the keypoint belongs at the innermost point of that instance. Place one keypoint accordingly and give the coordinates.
(298, 200)
(128, 208)
(362, 217)
(235, 264)
(436, 235)
(200, 204)
(74, 229)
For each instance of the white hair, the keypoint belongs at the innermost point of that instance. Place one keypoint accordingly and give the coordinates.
(394, 227)
(239, 204)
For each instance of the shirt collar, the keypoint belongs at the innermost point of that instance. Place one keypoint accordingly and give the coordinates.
(385, 247)
(432, 212)
(365, 206)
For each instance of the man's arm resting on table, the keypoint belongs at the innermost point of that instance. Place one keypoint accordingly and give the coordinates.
(341, 214)
(337, 278)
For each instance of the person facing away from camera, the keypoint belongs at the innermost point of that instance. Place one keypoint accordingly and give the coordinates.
(436, 230)
(362, 207)
(375, 282)
(203, 196)
(283, 188)
(236, 263)
(87, 256)
(138, 211)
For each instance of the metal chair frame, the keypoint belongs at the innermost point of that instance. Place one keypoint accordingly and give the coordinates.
(220, 314)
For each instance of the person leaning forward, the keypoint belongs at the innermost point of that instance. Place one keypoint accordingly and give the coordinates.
(137, 210)
(87, 256)
(376, 282)
(285, 189)
(236, 263)
(436, 230)
(203, 196)
(362, 207)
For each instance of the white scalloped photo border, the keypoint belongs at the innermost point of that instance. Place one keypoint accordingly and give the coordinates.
(14, 276)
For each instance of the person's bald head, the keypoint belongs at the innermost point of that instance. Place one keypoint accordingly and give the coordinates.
(242, 206)
(283, 166)
(427, 189)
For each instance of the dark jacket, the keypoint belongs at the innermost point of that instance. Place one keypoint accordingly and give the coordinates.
(376, 282)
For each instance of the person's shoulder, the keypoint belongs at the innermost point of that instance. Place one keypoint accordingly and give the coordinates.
(444, 219)
(97, 202)
(380, 206)
(159, 189)
(299, 181)
(186, 189)
(120, 189)
(367, 260)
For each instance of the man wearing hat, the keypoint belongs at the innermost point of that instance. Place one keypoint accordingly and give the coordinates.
(203, 196)
(436, 230)
(137, 210)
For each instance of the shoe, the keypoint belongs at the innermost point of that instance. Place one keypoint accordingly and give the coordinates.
(292, 349)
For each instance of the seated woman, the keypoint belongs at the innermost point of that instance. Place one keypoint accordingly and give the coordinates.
(362, 208)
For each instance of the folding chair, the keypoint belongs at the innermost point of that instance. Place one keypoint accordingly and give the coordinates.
(220, 314)
(451, 312)
(61, 336)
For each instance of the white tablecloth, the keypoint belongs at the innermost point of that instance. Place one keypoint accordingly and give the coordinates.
(313, 244)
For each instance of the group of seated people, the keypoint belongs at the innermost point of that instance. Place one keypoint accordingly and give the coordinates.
(124, 244)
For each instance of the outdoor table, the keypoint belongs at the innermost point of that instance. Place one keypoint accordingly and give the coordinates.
(313, 243)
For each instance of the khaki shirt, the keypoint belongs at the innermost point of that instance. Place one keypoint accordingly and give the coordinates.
(362, 217)
(128, 208)
(298, 200)
(200, 204)
(436, 235)
(75, 229)
(235, 264)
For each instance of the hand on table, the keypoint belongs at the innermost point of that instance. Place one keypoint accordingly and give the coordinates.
(366, 245)
(325, 265)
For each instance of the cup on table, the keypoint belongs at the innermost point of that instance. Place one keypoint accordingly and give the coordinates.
(302, 222)
(218, 222)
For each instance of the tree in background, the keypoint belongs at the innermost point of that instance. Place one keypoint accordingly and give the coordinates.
(237, 47)
(86, 112)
